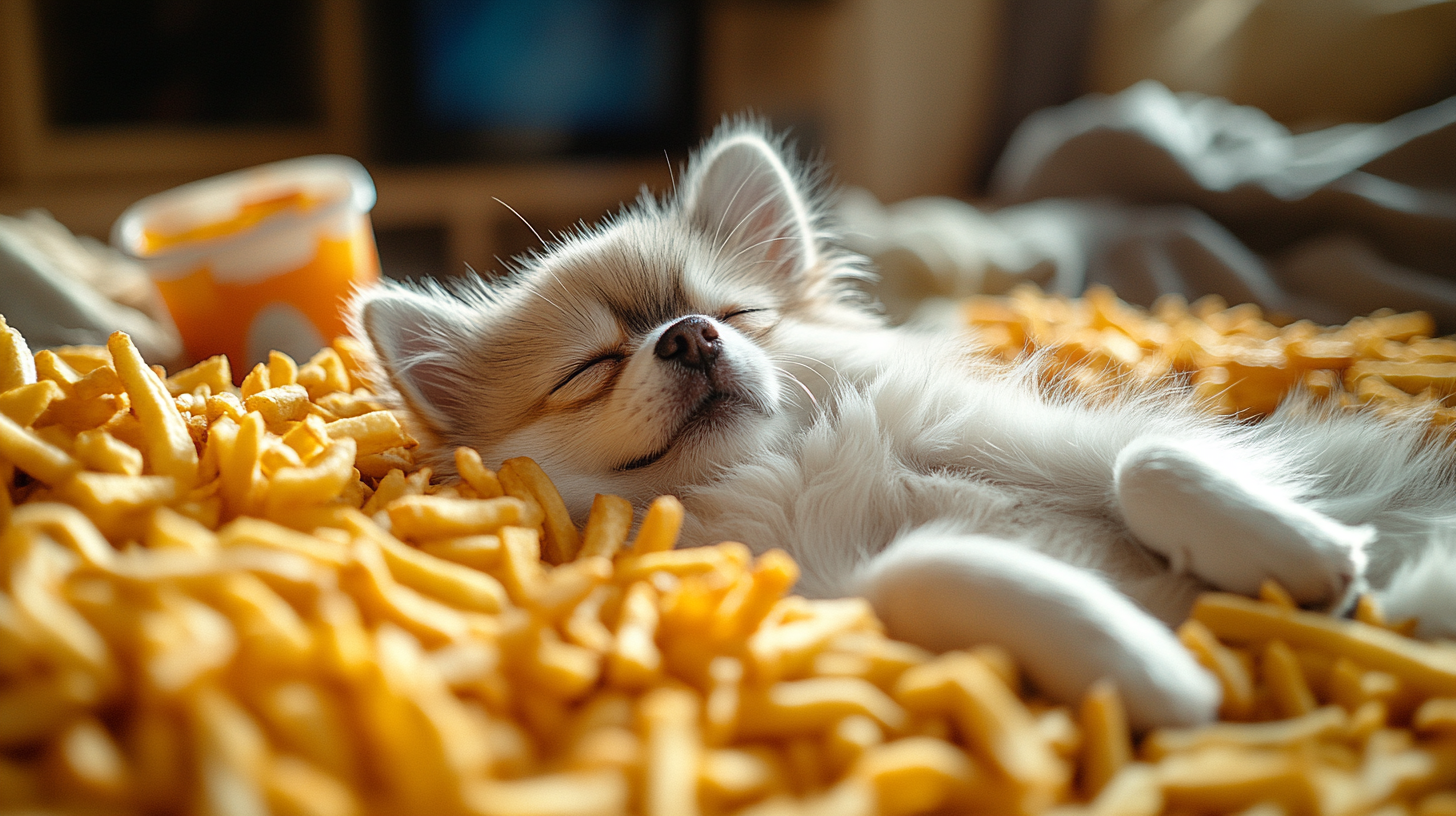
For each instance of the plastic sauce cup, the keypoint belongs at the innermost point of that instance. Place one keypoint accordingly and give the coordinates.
(258, 259)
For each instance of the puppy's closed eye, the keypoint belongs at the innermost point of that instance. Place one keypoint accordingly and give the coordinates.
(588, 378)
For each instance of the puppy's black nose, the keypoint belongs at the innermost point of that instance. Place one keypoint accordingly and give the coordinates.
(692, 341)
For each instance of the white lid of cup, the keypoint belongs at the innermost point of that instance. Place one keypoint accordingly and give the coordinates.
(341, 182)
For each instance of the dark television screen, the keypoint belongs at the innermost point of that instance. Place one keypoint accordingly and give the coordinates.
(490, 79)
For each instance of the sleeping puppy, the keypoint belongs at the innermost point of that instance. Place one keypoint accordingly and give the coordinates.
(713, 345)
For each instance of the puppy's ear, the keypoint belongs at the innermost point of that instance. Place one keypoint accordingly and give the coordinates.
(420, 340)
(741, 194)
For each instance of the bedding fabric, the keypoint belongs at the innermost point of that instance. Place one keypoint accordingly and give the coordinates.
(1153, 192)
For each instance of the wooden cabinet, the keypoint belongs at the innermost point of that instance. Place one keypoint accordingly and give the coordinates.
(892, 93)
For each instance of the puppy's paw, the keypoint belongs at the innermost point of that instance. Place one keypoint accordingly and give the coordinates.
(1220, 525)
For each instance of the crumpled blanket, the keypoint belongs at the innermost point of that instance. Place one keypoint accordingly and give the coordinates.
(59, 289)
(1152, 192)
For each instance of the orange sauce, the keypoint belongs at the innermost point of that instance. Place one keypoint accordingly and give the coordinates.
(249, 215)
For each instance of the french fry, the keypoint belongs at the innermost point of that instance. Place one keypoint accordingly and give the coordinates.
(322, 480)
(659, 526)
(475, 474)
(673, 752)
(214, 372)
(279, 404)
(914, 775)
(607, 526)
(458, 586)
(815, 704)
(99, 450)
(561, 540)
(1107, 742)
(1285, 681)
(1241, 620)
(374, 432)
(1233, 677)
(433, 517)
(169, 445)
(1326, 721)
(35, 456)
(989, 714)
(635, 661)
(87, 760)
(17, 367)
(24, 404)
(255, 640)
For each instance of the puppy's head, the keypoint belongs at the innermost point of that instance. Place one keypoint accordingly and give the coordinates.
(636, 357)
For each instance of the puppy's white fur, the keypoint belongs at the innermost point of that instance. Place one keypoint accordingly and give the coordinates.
(967, 501)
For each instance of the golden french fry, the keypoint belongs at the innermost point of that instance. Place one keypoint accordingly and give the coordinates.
(480, 552)
(98, 382)
(673, 750)
(279, 404)
(24, 404)
(282, 370)
(322, 480)
(990, 716)
(49, 366)
(297, 788)
(374, 432)
(116, 502)
(99, 450)
(458, 586)
(17, 367)
(561, 540)
(434, 517)
(256, 532)
(635, 661)
(583, 793)
(1224, 780)
(256, 380)
(1241, 620)
(475, 473)
(1323, 722)
(915, 774)
(659, 526)
(814, 704)
(607, 526)
(1107, 742)
(86, 760)
(183, 642)
(38, 458)
(1233, 677)
(169, 445)
(324, 373)
(368, 578)
(214, 372)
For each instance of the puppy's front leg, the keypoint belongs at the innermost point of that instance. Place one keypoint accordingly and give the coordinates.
(1064, 625)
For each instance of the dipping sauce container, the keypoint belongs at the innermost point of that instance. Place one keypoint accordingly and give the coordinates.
(258, 259)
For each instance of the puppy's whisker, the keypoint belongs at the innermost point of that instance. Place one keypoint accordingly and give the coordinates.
(800, 383)
(816, 371)
(817, 363)
(523, 220)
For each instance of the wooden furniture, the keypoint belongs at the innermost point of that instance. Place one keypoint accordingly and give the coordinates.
(893, 93)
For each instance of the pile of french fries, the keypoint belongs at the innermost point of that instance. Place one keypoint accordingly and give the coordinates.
(248, 600)
(1239, 360)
